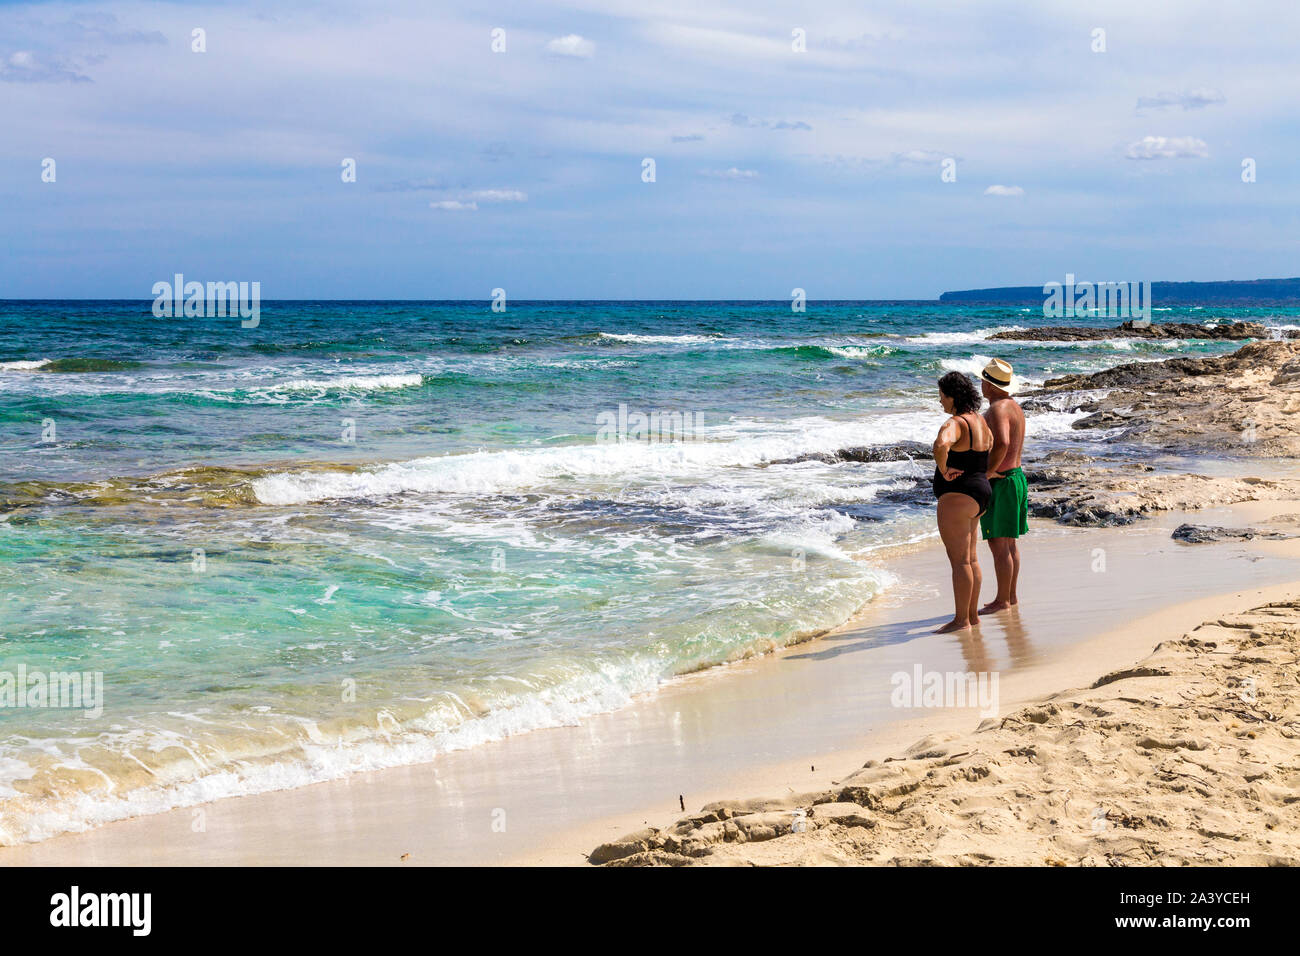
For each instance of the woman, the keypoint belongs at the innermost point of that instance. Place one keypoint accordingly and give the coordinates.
(961, 483)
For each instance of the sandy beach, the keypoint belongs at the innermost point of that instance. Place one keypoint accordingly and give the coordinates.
(792, 723)
(1186, 758)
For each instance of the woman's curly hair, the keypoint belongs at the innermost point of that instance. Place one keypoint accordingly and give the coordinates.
(965, 396)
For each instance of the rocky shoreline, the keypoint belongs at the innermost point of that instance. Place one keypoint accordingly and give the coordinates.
(1081, 491)
(1243, 405)
(1132, 330)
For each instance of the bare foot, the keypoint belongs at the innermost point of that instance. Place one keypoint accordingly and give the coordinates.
(994, 606)
(953, 625)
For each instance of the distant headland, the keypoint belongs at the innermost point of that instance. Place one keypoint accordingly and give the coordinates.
(1235, 292)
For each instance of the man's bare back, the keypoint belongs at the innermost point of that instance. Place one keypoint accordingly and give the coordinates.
(1006, 420)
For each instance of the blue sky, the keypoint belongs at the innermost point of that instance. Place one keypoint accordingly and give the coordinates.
(523, 169)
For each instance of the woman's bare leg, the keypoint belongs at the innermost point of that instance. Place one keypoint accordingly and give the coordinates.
(955, 513)
(977, 577)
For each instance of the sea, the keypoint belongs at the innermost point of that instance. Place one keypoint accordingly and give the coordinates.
(364, 534)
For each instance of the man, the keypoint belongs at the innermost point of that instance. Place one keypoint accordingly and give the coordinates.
(1007, 516)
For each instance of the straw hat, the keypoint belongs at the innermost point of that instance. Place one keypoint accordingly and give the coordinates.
(998, 374)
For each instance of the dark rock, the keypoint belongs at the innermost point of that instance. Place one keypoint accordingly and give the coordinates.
(1068, 510)
(1132, 374)
(1201, 534)
(918, 493)
(899, 451)
(1107, 419)
(1127, 330)
(1175, 371)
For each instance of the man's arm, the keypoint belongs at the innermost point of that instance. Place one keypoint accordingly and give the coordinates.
(999, 423)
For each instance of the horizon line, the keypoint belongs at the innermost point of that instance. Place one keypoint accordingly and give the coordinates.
(487, 299)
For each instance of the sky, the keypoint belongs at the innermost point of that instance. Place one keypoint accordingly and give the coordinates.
(524, 168)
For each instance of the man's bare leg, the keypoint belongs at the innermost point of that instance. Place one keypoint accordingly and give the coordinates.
(1015, 570)
(1006, 564)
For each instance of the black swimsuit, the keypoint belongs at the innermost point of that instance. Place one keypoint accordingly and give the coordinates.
(974, 479)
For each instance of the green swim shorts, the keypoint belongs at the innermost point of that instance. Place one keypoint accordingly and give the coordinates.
(1007, 515)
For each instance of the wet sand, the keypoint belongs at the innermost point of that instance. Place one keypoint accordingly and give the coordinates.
(790, 722)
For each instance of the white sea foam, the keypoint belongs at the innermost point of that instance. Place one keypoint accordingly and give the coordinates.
(974, 365)
(312, 757)
(496, 472)
(690, 470)
(860, 351)
(960, 338)
(361, 383)
(1051, 424)
(971, 366)
(632, 337)
(23, 365)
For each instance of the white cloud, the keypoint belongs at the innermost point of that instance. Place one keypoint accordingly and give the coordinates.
(732, 173)
(742, 120)
(1188, 100)
(725, 43)
(26, 67)
(497, 195)
(924, 157)
(411, 185)
(1004, 191)
(469, 199)
(1168, 147)
(572, 45)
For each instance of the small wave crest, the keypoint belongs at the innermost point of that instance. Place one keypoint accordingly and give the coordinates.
(360, 383)
(640, 339)
(505, 471)
(960, 338)
(71, 365)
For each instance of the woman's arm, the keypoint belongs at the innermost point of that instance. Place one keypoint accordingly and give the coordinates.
(948, 435)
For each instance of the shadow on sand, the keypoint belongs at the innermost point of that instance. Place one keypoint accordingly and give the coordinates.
(865, 638)
(1006, 626)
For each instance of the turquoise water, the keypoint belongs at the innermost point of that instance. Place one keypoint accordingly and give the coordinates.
(362, 534)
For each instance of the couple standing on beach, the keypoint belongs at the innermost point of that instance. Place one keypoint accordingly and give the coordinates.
(980, 487)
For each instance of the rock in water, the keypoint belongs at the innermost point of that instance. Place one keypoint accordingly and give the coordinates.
(1128, 330)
